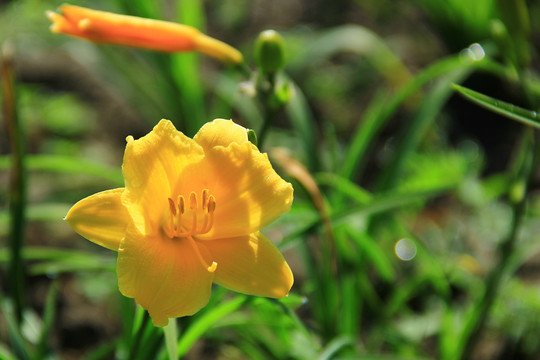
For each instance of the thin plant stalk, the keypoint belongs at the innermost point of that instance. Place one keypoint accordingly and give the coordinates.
(17, 188)
(479, 315)
(171, 338)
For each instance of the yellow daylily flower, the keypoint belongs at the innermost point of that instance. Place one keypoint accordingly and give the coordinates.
(109, 28)
(189, 215)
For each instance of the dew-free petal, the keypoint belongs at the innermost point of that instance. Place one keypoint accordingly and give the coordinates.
(151, 164)
(252, 265)
(220, 132)
(100, 218)
(249, 194)
(165, 276)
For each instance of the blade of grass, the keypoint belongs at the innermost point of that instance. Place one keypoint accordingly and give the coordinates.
(48, 319)
(5, 354)
(137, 339)
(53, 261)
(335, 346)
(385, 105)
(38, 212)
(18, 345)
(344, 186)
(206, 321)
(17, 188)
(380, 204)
(524, 116)
(415, 131)
(68, 165)
(303, 122)
(185, 70)
(476, 321)
(359, 40)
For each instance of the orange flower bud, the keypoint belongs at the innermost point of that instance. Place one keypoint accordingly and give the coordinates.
(108, 28)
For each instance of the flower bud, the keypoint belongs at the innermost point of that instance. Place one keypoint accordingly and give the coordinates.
(269, 51)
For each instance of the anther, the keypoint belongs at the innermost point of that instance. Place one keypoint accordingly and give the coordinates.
(211, 204)
(181, 204)
(172, 206)
(204, 198)
(193, 201)
(202, 215)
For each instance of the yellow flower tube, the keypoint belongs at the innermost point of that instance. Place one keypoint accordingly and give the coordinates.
(109, 28)
(189, 215)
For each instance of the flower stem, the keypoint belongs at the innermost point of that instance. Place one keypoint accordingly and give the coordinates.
(17, 192)
(171, 339)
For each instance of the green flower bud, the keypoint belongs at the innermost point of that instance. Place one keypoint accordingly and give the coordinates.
(269, 51)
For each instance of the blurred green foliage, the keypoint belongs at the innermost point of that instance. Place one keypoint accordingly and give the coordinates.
(366, 107)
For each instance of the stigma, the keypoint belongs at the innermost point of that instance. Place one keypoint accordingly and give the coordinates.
(194, 216)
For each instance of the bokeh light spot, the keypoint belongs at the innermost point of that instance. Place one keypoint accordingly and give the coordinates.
(405, 249)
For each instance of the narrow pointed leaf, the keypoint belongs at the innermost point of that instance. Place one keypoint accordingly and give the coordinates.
(524, 116)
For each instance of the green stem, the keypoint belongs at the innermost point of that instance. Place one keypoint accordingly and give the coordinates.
(17, 190)
(266, 89)
(476, 323)
(171, 339)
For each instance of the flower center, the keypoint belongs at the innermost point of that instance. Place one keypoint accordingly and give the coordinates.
(194, 218)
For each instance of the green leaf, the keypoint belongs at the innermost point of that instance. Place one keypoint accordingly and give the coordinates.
(48, 319)
(68, 165)
(54, 261)
(206, 321)
(524, 116)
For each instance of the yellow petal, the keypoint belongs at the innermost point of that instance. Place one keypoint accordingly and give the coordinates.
(165, 276)
(252, 265)
(101, 218)
(151, 164)
(248, 193)
(220, 132)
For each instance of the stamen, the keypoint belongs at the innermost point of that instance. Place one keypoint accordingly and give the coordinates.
(181, 211)
(209, 218)
(211, 204)
(181, 204)
(199, 225)
(204, 198)
(193, 200)
(210, 268)
(172, 206)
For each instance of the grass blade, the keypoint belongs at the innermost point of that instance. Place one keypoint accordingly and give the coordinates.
(68, 165)
(524, 116)
(48, 318)
(206, 321)
(185, 71)
(17, 189)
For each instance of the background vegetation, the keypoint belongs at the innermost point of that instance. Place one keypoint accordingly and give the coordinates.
(414, 232)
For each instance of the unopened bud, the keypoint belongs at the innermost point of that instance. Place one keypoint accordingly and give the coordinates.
(269, 51)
